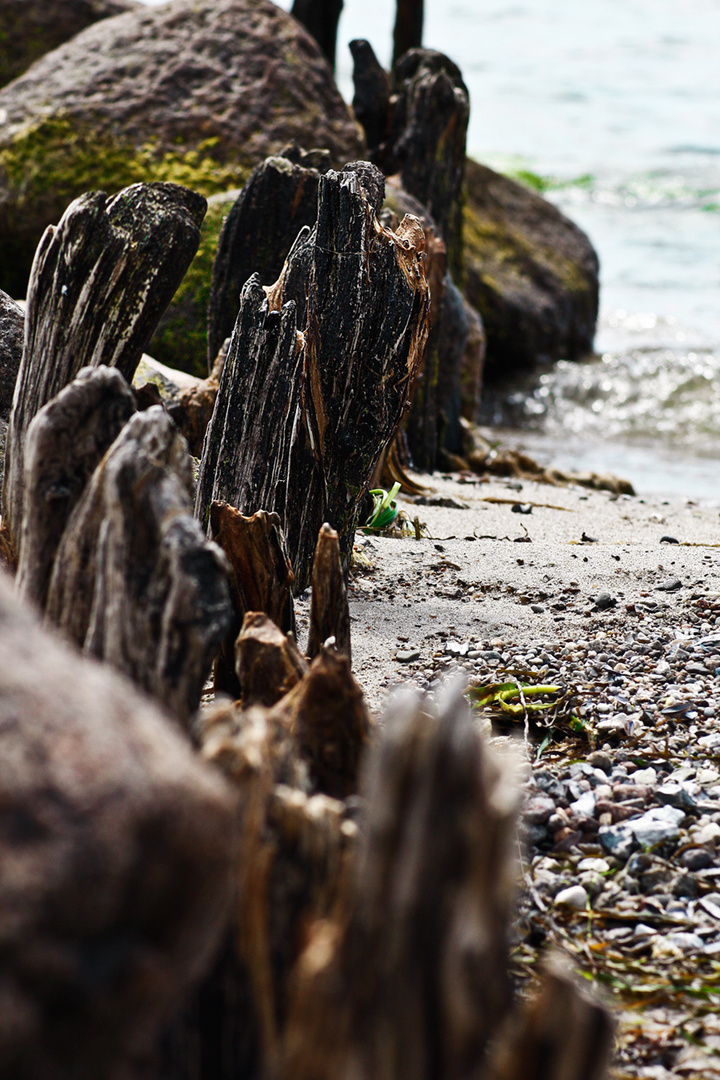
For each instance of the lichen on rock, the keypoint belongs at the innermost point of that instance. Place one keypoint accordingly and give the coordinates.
(195, 92)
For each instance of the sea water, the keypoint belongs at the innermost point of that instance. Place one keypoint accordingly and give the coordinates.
(612, 109)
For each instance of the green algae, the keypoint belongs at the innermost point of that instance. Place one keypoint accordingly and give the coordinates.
(52, 157)
(496, 245)
(181, 338)
(51, 161)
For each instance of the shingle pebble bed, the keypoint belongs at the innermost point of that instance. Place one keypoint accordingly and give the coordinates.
(620, 825)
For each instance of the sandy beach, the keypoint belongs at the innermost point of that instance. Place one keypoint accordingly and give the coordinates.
(483, 574)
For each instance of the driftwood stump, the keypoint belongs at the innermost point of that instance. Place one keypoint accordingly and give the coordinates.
(279, 198)
(371, 97)
(12, 328)
(292, 865)
(268, 662)
(312, 413)
(65, 442)
(134, 580)
(326, 715)
(329, 608)
(427, 140)
(408, 979)
(100, 281)
(423, 133)
(320, 18)
(261, 579)
(117, 850)
(408, 29)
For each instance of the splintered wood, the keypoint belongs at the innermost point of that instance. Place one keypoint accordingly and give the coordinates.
(301, 419)
(373, 922)
(100, 281)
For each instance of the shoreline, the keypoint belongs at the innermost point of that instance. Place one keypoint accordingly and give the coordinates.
(620, 866)
(482, 570)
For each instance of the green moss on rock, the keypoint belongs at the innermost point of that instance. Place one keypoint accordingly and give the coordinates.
(529, 271)
(180, 340)
(48, 163)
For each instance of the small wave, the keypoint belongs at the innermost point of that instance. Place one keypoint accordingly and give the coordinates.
(645, 396)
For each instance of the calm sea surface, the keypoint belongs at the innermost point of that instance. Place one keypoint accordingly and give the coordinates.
(614, 105)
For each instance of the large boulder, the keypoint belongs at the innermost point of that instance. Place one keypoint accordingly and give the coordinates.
(195, 91)
(31, 28)
(529, 271)
(116, 852)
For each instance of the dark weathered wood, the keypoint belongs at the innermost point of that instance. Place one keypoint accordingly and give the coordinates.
(329, 722)
(561, 1034)
(100, 281)
(329, 608)
(261, 579)
(408, 29)
(135, 582)
(424, 425)
(268, 662)
(301, 421)
(8, 558)
(117, 850)
(426, 146)
(371, 97)
(65, 442)
(377, 947)
(320, 18)
(291, 869)
(279, 198)
(12, 329)
(415, 982)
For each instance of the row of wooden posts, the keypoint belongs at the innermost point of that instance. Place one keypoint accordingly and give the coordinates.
(370, 876)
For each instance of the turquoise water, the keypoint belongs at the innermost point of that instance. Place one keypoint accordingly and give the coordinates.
(615, 106)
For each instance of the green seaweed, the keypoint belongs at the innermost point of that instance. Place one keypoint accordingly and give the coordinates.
(51, 161)
(180, 340)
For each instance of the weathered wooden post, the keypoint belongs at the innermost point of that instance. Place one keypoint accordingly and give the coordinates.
(100, 281)
(313, 390)
(135, 581)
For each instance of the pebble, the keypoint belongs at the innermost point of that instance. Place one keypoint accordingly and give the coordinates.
(406, 656)
(575, 896)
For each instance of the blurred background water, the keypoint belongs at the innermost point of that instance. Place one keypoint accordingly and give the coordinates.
(613, 106)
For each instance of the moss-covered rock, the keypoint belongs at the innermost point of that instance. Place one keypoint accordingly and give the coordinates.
(31, 28)
(529, 271)
(181, 337)
(196, 91)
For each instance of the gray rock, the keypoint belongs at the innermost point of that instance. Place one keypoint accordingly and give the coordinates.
(538, 810)
(116, 848)
(196, 91)
(31, 28)
(530, 272)
(405, 656)
(618, 840)
(677, 795)
(671, 585)
(657, 826)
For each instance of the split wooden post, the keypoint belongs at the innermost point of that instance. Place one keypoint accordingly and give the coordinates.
(65, 442)
(301, 420)
(329, 608)
(279, 198)
(100, 281)
(135, 582)
(261, 579)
